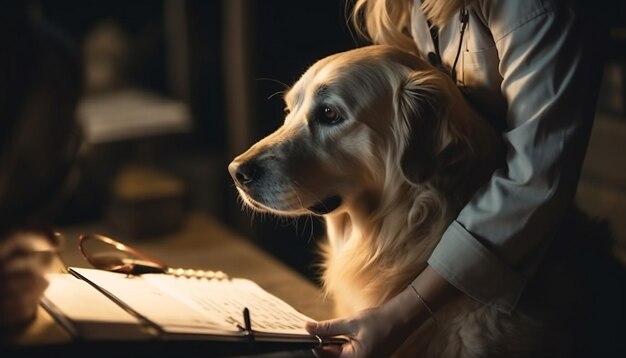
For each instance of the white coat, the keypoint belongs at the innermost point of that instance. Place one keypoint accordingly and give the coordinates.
(527, 66)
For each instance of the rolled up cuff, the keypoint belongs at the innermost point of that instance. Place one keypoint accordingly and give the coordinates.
(469, 266)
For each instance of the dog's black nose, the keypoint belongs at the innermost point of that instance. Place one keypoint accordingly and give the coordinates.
(244, 174)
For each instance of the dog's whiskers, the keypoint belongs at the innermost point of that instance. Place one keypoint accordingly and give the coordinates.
(285, 86)
(293, 185)
(311, 233)
(274, 94)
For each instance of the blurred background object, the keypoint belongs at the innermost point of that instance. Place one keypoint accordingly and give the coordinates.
(176, 88)
(145, 202)
(602, 186)
(106, 54)
(40, 85)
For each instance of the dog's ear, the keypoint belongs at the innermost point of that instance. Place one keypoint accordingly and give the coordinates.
(422, 110)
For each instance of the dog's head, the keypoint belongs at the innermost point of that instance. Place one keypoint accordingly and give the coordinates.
(356, 122)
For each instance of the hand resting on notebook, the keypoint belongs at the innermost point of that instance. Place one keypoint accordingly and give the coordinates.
(24, 258)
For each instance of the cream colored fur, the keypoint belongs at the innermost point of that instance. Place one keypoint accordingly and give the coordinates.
(388, 22)
(405, 157)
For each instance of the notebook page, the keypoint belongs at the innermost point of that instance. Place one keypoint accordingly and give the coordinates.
(154, 303)
(78, 301)
(227, 298)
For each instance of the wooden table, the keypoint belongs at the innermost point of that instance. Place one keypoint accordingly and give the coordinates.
(202, 243)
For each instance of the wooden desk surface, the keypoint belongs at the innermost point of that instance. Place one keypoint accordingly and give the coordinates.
(202, 243)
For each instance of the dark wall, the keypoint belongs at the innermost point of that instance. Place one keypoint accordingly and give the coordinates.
(204, 30)
(289, 36)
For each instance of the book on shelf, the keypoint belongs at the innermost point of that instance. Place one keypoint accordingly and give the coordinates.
(102, 305)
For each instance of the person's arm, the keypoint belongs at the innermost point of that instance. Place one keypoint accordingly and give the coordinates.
(491, 248)
(379, 331)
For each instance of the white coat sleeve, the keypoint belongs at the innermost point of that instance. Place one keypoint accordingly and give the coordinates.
(487, 250)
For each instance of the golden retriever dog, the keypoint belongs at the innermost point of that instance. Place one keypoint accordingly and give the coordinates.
(387, 150)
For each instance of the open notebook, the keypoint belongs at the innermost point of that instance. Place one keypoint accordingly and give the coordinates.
(96, 304)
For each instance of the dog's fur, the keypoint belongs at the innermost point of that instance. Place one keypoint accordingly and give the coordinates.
(402, 158)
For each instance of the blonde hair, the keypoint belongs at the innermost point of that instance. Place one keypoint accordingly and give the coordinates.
(388, 22)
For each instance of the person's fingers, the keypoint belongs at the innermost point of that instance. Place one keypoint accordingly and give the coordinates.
(22, 285)
(19, 297)
(17, 311)
(330, 328)
(332, 351)
(22, 279)
(26, 263)
(25, 252)
(18, 307)
(24, 242)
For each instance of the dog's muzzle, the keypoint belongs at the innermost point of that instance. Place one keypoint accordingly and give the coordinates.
(245, 174)
(252, 178)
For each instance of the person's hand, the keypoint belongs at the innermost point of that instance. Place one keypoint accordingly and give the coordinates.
(368, 333)
(24, 258)
(375, 332)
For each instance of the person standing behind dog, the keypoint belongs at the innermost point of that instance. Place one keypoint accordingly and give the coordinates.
(40, 83)
(533, 70)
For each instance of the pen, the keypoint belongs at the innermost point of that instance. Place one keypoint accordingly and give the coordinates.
(246, 319)
(247, 324)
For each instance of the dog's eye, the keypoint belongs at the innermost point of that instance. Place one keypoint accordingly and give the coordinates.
(329, 116)
(286, 110)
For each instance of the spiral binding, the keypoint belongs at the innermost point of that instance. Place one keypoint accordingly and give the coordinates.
(199, 274)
